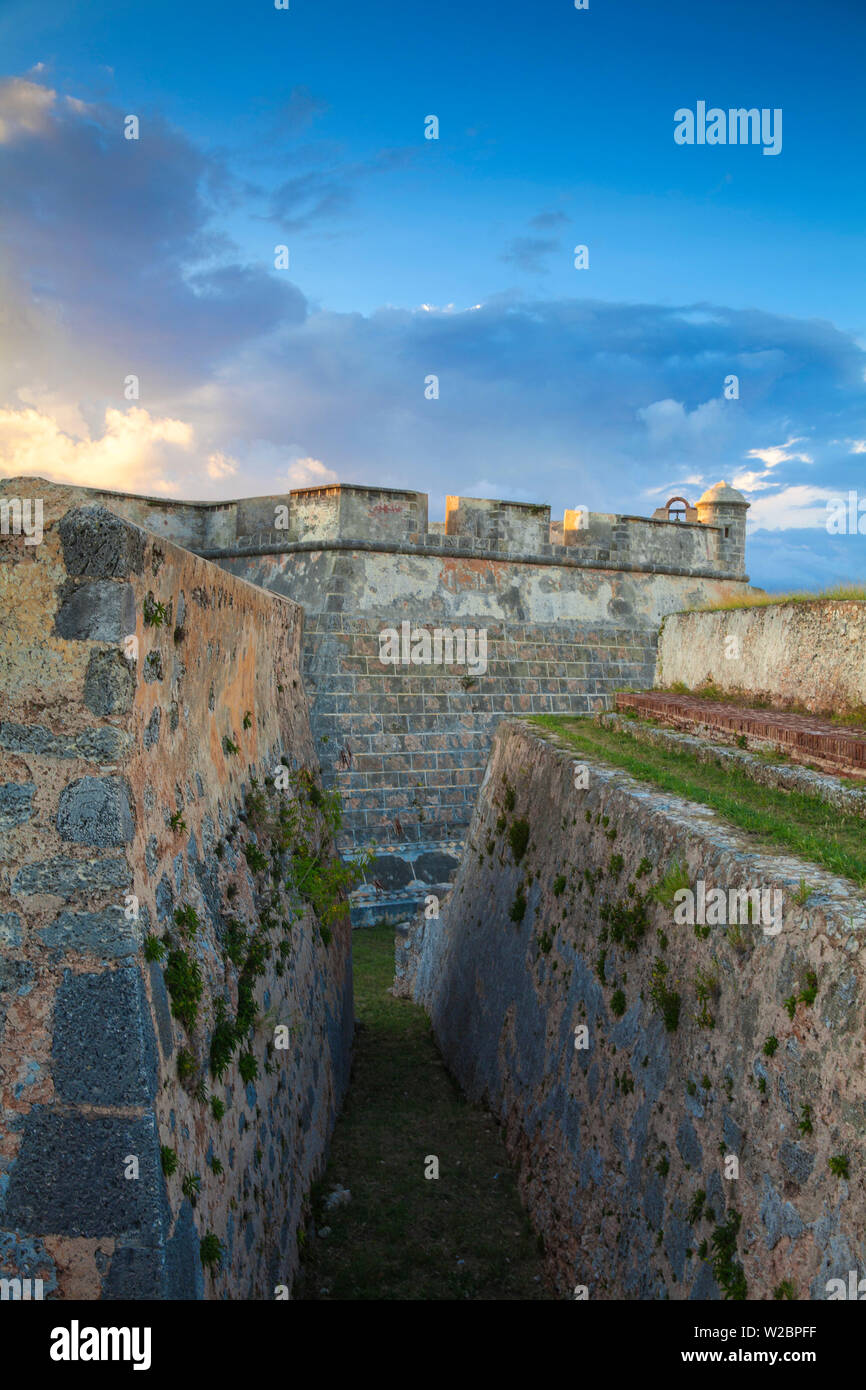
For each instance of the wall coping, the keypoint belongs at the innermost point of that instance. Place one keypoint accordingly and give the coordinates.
(464, 552)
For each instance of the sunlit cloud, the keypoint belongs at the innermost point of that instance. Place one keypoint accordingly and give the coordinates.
(780, 453)
(135, 453)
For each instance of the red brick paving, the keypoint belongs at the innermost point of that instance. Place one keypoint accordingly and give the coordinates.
(804, 736)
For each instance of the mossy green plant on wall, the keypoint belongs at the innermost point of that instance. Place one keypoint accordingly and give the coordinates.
(518, 907)
(184, 983)
(186, 918)
(728, 1271)
(676, 879)
(248, 1067)
(211, 1250)
(155, 613)
(518, 838)
(186, 1065)
(665, 1000)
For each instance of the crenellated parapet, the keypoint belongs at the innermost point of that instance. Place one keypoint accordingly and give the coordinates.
(709, 543)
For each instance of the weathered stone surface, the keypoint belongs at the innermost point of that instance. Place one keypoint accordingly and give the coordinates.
(102, 612)
(512, 968)
(96, 811)
(98, 544)
(65, 878)
(151, 731)
(85, 1193)
(10, 929)
(797, 1161)
(94, 745)
(183, 1262)
(91, 1037)
(390, 871)
(161, 1008)
(16, 803)
(135, 1272)
(152, 667)
(109, 685)
(804, 654)
(107, 934)
(103, 1051)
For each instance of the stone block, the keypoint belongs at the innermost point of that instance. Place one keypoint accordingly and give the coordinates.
(16, 803)
(102, 612)
(68, 1178)
(103, 1049)
(96, 811)
(99, 544)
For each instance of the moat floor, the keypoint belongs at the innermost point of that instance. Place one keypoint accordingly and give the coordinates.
(402, 1235)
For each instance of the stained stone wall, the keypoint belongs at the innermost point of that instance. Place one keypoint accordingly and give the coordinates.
(570, 611)
(126, 781)
(659, 1126)
(808, 655)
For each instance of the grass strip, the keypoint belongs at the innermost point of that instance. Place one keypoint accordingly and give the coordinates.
(790, 820)
(837, 593)
(402, 1236)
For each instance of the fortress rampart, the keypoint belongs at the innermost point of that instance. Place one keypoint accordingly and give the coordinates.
(569, 610)
(645, 1129)
(142, 689)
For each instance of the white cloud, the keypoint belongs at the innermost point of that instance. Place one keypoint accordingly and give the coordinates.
(24, 108)
(779, 453)
(134, 454)
(793, 508)
(220, 466)
(668, 421)
(309, 472)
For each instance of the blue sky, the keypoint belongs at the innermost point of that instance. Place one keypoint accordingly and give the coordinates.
(409, 257)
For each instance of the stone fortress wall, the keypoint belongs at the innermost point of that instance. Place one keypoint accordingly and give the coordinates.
(643, 1137)
(570, 611)
(123, 803)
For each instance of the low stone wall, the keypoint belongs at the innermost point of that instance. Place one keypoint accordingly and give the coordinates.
(630, 1059)
(142, 690)
(808, 655)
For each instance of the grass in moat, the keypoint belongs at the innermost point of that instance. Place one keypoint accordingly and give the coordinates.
(793, 821)
(402, 1236)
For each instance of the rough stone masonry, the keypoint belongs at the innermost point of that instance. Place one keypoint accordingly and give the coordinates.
(570, 611)
(146, 693)
(142, 690)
